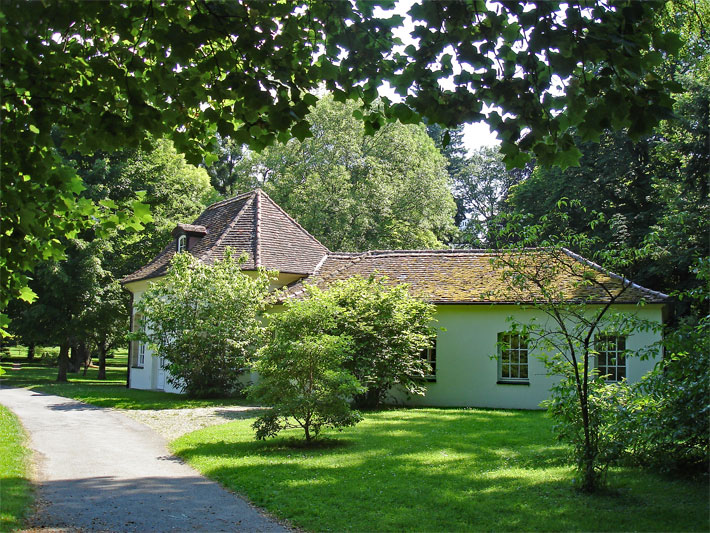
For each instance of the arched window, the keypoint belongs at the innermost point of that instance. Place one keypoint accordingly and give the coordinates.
(182, 243)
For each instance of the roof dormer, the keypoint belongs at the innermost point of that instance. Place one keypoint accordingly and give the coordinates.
(186, 235)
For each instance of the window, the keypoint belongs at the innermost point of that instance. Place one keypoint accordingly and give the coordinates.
(141, 350)
(138, 347)
(182, 243)
(512, 358)
(429, 355)
(611, 358)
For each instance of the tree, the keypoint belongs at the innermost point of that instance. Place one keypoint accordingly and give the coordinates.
(205, 322)
(389, 330)
(108, 75)
(95, 308)
(482, 187)
(578, 321)
(301, 372)
(352, 191)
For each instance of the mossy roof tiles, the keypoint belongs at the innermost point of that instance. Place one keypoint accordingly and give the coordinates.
(254, 224)
(476, 276)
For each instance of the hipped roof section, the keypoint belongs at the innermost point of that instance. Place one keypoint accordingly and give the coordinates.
(476, 276)
(251, 223)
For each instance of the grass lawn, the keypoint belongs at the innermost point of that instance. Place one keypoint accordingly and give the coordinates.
(15, 492)
(438, 470)
(111, 392)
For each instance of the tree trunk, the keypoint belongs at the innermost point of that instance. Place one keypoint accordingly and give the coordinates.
(63, 362)
(31, 352)
(85, 355)
(102, 360)
(74, 363)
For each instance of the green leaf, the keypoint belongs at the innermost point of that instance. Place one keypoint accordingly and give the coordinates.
(27, 295)
(301, 130)
(141, 211)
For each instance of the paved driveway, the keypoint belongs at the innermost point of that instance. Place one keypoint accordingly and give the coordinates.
(99, 470)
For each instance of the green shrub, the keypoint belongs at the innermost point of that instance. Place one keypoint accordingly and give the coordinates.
(204, 320)
(664, 420)
(301, 372)
(389, 329)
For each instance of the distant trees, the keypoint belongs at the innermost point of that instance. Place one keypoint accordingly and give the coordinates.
(351, 191)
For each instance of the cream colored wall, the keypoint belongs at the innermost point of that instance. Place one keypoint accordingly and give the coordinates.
(467, 375)
(147, 377)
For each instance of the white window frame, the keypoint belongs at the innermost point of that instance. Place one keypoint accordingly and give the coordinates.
(429, 356)
(141, 350)
(182, 243)
(611, 356)
(512, 347)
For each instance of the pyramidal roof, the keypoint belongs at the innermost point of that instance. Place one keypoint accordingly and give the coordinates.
(252, 223)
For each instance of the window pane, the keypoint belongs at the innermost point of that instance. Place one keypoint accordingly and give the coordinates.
(621, 373)
(505, 356)
(524, 371)
(514, 372)
(505, 371)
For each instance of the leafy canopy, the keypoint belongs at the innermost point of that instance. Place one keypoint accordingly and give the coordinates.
(108, 74)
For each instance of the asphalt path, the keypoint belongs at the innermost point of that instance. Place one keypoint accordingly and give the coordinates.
(98, 470)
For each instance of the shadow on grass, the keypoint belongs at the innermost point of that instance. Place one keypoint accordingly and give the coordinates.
(15, 497)
(434, 470)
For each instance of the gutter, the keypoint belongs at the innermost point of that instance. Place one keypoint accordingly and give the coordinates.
(130, 344)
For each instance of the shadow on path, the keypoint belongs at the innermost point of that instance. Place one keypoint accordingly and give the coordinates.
(141, 504)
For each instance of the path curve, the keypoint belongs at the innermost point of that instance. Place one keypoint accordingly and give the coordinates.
(98, 470)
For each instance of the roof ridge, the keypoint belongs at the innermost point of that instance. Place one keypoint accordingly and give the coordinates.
(257, 228)
(228, 200)
(294, 221)
(624, 281)
(231, 225)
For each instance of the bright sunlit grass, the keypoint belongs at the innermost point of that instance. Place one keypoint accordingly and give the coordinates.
(15, 492)
(438, 470)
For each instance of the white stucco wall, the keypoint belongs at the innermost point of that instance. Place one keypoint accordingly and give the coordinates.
(467, 375)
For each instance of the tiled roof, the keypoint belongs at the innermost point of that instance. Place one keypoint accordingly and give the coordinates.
(475, 276)
(250, 223)
(189, 228)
